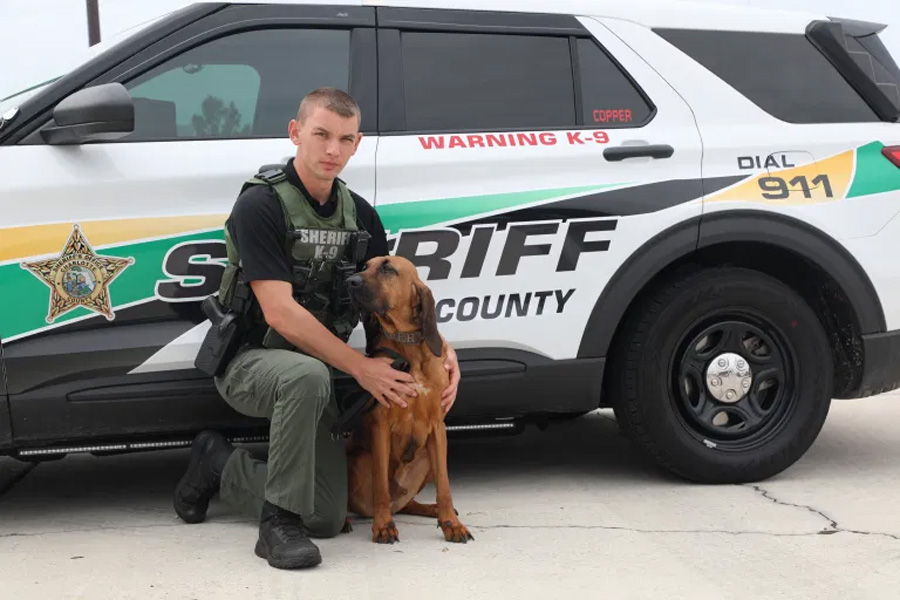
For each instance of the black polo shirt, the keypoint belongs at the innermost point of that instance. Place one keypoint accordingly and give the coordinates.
(258, 227)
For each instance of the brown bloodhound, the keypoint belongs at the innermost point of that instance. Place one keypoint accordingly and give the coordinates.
(395, 451)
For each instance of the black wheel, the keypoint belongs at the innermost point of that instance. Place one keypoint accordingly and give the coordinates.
(723, 375)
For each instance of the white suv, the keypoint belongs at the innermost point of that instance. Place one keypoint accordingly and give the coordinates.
(687, 213)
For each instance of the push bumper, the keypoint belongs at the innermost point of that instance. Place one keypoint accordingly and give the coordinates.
(881, 365)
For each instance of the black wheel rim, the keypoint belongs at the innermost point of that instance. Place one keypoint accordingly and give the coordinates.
(751, 420)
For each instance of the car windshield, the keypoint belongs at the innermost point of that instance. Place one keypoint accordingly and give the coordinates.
(22, 95)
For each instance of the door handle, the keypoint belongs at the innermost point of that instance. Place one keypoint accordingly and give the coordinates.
(617, 153)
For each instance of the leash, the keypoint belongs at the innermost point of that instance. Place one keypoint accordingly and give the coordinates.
(350, 418)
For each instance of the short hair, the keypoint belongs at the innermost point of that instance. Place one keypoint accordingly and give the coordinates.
(333, 99)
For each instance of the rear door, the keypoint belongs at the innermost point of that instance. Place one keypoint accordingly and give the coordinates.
(136, 224)
(522, 159)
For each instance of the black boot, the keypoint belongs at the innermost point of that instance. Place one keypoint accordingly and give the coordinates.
(209, 454)
(283, 540)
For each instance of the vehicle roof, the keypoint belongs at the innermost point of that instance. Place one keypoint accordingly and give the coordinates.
(650, 13)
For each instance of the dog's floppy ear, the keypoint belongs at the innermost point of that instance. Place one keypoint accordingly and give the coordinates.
(428, 318)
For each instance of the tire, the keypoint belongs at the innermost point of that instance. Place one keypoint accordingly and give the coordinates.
(662, 397)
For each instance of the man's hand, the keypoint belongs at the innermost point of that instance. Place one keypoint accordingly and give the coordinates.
(385, 383)
(302, 329)
(452, 366)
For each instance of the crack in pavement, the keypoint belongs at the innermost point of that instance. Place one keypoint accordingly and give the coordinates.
(476, 527)
(833, 525)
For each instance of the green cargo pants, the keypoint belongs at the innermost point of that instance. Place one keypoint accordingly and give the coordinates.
(306, 471)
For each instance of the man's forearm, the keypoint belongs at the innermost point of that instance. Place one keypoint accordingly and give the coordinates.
(301, 328)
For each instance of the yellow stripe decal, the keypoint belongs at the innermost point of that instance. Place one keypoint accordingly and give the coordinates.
(38, 240)
(823, 181)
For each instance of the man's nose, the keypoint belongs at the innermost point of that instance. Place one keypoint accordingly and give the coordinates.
(355, 281)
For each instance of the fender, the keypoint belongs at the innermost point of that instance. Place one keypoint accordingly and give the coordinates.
(689, 236)
(811, 243)
(629, 279)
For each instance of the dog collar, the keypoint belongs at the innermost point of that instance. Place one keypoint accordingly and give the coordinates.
(405, 337)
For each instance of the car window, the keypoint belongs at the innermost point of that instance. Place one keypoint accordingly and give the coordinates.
(472, 81)
(608, 97)
(783, 74)
(873, 57)
(245, 85)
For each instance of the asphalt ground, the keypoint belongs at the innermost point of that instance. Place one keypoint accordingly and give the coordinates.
(572, 512)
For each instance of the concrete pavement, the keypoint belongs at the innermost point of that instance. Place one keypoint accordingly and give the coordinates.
(572, 512)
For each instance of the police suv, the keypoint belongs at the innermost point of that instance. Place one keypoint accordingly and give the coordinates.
(684, 212)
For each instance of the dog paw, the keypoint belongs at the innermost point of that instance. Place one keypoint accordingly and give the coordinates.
(385, 534)
(347, 526)
(455, 532)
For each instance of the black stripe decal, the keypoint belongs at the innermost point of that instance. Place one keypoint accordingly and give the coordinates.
(637, 200)
(94, 348)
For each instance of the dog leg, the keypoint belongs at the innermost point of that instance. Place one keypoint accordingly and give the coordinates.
(454, 530)
(384, 530)
(419, 510)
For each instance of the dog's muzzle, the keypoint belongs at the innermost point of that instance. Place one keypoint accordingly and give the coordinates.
(359, 292)
(354, 282)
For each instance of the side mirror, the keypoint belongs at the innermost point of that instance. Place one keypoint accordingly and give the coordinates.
(103, 112)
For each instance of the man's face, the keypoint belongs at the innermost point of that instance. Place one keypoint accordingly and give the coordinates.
(325, 142)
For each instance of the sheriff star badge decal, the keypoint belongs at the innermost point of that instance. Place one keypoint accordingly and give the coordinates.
(78, 277)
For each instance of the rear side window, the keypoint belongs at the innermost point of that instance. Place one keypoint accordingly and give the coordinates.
(873, 57)
(783, 74)
(477, 81)
(246, 85)
(608, 98)
(488, 82)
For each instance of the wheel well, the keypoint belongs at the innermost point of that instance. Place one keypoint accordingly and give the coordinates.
(820, 290)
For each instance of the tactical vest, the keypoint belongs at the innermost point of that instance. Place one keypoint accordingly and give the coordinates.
(318, 249)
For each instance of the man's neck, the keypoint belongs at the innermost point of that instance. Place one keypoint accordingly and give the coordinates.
(319, 189)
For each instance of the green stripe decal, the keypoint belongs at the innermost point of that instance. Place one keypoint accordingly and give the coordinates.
(875, 174)
(427, 213)
(27, 298)
(31, 297)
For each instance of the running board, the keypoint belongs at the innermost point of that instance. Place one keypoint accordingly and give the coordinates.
(508, 426)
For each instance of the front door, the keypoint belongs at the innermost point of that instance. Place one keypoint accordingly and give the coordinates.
(134, 227)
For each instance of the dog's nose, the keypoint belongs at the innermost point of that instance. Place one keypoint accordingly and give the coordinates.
(354, 281)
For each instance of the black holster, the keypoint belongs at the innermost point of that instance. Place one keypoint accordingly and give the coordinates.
(222, 340)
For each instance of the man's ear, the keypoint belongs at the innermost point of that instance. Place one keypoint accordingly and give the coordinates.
(427, 316)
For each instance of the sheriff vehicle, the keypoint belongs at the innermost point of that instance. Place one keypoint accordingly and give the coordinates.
(688, 213)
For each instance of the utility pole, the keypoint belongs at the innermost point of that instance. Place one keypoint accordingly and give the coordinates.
(93, 18)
